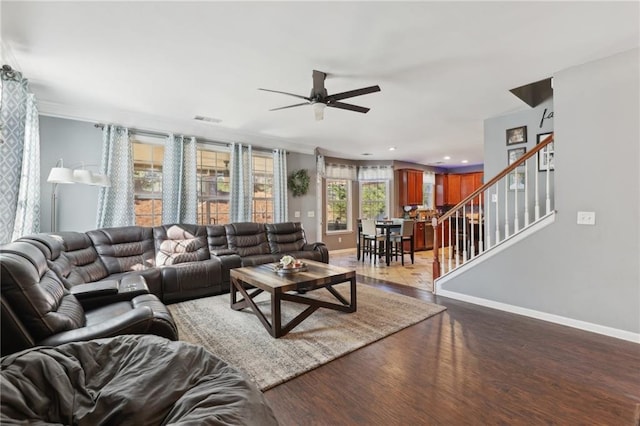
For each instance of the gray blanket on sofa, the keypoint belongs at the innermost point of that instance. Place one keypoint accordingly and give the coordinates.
(136, 380)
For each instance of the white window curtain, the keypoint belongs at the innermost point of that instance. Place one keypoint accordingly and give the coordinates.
(340, 171)
(179, 180)
(429, 177)
(280, 206)
(320, 166)
(375, 173)
(19, 158)
(241, 183)
(115, 203)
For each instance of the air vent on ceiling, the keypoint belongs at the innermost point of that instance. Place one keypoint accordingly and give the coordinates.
(207, 119)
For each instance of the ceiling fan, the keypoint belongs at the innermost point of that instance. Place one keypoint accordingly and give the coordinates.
(320, 99)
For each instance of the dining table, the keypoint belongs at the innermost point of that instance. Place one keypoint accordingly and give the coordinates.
(386, 227)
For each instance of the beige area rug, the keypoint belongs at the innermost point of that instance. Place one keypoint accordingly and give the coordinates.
(239, 338)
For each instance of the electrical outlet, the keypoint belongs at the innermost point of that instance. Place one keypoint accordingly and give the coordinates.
(586, 218)
(296, 213)
(311, 213)
(494, 198)
(339, 239)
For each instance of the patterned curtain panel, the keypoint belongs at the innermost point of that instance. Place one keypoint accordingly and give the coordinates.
(115, 203)
(340, 171)
(241, 182)
(375, 173)
(280, 208)
(13, 112)
(179, 181)
(28, 207)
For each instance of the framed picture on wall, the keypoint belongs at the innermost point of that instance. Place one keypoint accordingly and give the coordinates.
(545, 155)
(516, 135)
(516, 181)
(513, 155)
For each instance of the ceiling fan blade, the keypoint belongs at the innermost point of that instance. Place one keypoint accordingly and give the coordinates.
(353, 93)
(318, 83)
(286, 93)
(350, 107)
(290, 106)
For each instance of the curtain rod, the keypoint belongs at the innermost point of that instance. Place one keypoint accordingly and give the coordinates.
(164, 135)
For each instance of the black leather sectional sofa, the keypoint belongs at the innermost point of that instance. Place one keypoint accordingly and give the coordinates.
(72, 286)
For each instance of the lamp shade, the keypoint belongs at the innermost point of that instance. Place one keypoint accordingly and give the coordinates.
(83, 176)
(61, 175)
(101, 180)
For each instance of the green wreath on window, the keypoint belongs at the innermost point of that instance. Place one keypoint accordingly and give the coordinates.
(299, 182)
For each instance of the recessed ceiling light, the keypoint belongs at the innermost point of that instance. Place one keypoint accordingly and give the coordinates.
(465, 161)
(446, 157)
(367, 153)
(393, 148)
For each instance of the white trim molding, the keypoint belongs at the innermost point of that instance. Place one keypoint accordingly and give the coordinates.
(557, 319)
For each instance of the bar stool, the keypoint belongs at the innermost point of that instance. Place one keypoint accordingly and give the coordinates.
(372, 241)
(398, 240)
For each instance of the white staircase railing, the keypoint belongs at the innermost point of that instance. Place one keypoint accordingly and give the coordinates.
(504, 206)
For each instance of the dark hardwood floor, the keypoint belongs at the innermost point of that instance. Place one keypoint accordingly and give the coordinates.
(470, 366)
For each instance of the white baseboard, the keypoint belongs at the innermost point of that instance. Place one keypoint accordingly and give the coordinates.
(557, 319)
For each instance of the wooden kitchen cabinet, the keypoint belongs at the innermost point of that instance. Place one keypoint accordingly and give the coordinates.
(453, 188)
(469, 182)
(419, 236)
(411, 191)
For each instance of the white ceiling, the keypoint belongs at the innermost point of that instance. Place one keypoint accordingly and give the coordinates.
(443, 67)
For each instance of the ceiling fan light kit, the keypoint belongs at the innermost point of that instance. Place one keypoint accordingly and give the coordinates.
(320, 99)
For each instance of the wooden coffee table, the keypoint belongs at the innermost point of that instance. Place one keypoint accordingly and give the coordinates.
(292, 288)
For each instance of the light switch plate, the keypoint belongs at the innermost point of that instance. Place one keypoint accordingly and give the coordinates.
(311, 213)
(296, 213)
(586, 218)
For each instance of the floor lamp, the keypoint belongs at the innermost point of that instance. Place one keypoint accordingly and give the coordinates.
(60, 174)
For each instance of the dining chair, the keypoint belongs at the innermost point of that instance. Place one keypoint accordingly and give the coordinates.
(372, 241)
(405, 235)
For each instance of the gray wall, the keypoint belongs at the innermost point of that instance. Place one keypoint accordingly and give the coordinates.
(305, 203)
(586, 273)
(75, 142)
(495, 154)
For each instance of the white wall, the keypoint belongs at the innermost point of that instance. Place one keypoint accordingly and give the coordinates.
(585, 273)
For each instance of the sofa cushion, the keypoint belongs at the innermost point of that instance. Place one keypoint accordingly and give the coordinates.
(35, 292)
(285, 237)
(247, 238)
(126, 248)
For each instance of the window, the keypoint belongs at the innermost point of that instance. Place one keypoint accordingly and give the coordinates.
(428, 189)
(338, 196)
(213, 186)
(262, 188)
(147, 183)
(373, 199)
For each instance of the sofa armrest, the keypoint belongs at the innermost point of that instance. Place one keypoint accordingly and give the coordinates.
(101, 293)
(132, 322)
(320, 247)
(314, 246)
(96, 289)
(222, 252)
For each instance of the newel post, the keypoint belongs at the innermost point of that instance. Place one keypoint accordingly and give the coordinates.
(436, 258)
